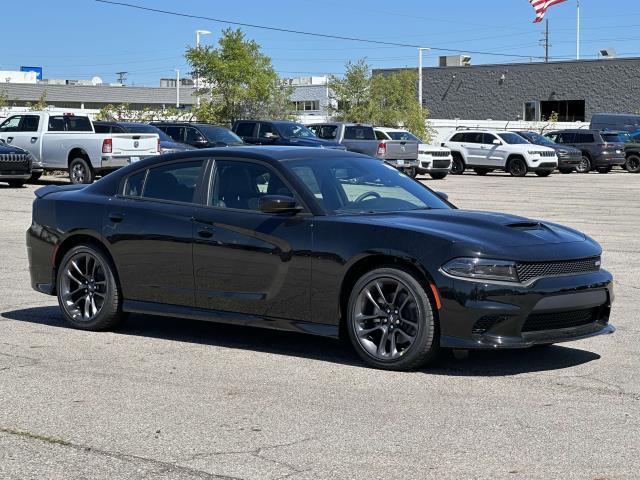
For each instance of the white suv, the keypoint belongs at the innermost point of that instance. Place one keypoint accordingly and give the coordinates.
(488, 150)
(436, 161)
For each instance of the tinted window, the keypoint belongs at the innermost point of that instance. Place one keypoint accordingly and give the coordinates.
(78, 124)
(566, 137)
(584, 138)
(536, 138)
(356, 132)
(294, 130)
(100, 128)
(403, 136)
(473, 137)
(356, 185)
(512, 138)
(194, 136)
(135, 182)
(56, 124)
(30, 123)
(327, 132)
(176, 133)
(220, 135)
(458, 137)
(612, 138)
(175, 182)
(240, 185)
(245, 129)
(266, 130)
(10, 124)
(381, 135)
(488, 138)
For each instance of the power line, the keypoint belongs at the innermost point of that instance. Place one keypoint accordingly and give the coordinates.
(300, 32)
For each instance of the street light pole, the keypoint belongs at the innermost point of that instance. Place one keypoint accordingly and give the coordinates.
(177, 87)
(420, 50)
(197, 80)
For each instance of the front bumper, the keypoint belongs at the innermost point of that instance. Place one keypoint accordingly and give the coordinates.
(435, 165)
(10, 175)
(566, 162)
(553, 310)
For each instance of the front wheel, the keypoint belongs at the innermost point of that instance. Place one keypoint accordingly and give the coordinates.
(80, 171)
(633, 164)
(585, 165)
(438, 175)
(457, 166)
(517, 167)
(88, 294)
(411, 171)
(543, 173)
(35, 176)
(390, 320)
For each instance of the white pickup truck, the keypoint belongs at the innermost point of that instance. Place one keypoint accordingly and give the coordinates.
(69, 142)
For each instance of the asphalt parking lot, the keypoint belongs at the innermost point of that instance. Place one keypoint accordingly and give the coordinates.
(171, 398)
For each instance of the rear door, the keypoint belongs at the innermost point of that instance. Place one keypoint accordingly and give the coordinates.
(176, 132)
(247, 131)
(245, 260)
(149, 227)
(472, 148)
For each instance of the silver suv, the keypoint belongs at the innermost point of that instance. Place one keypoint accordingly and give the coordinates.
(487, 150)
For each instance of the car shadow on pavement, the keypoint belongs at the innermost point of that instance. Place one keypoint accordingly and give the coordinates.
(479, 363)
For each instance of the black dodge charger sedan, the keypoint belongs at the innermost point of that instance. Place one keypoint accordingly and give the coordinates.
(312, 240)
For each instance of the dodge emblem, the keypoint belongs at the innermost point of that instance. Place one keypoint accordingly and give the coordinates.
(136, 144)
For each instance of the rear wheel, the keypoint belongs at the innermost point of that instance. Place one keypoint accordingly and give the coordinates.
(87, 290)
(543, 173)
(517, 167)
(390, 320)
(438, 175)
(80, 171)
(585, 165)
(16, 183)
(633, 164)
(457, 166)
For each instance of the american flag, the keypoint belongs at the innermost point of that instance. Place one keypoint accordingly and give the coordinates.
(540, 6)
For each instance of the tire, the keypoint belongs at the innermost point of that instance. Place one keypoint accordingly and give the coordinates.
(412, 172)
(35, 176)
(481, 171)
(633, 164)
(400, 333)
(16, 183)
(89, 300)
(80, 171)
(457, 165)
(585, 165)
(517, 167)
(438, 175)
(543, 173)
(604, 169)
(566, 170)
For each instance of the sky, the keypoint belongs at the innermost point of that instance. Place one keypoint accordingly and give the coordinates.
(79, 39)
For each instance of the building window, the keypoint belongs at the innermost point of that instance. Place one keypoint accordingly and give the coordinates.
(306, 105)
(530, 111)
(567, 110)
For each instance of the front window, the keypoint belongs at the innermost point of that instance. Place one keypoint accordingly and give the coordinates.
(512, 138)
(358, 132)
(295, 130)
(173, 182)
(349, 186)
(400, 135)
(11, 124)
(327, 132)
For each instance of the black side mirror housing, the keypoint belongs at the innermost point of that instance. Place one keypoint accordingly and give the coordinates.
(443, 196)
(279, 204)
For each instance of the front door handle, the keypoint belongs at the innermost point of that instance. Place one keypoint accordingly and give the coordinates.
(34, 139)
(206, 232)
(9, 139)
(116, 217)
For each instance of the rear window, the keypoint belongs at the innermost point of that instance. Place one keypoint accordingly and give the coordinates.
(458, 137)
(101, 128)
(612, 138)
(357, 132)
(173, 182)
(68, 123)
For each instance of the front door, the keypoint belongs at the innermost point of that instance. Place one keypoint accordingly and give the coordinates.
(245, 260)
(27, 136)
(149, 227)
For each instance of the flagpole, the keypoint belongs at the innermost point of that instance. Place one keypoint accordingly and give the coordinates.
(578, 33)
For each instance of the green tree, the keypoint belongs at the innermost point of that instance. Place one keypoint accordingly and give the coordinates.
(385, 100)
(236, 81)
(40, 104)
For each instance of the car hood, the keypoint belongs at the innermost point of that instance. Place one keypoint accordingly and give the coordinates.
(314, 142)
(5, 149)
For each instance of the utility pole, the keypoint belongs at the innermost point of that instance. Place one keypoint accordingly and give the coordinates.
(420, 50)
(578, 33)
(545, 41)
(122, 77)
(177, 87)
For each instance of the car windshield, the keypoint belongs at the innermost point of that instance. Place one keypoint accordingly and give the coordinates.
(295, 130)
(512, 138)
(537, 139)
(400, 135)
(613, 138)
(360, 185)
(144, 128)
(220, 134)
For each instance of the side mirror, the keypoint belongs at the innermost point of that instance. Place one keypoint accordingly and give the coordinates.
(443, 196)
(200, 140)
(497, 142)
(279, 204)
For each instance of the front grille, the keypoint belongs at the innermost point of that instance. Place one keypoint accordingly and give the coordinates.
(537, 322)
(437, 154)
(441, 163)
(548, 154)
(529, 271)
(15, 162)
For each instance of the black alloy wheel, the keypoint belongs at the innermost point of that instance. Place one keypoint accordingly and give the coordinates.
(517, 167)
(457, 166)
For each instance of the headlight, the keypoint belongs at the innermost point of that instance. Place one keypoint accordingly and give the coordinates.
(563, 153)
(606, 152)
(482, 269)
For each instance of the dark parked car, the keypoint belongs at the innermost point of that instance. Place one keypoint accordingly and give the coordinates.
(15, 165)
(199, 135)
(316, 241)
(262, 132)
(167, 144)
(568, 157)
(615, 121)
(601, 151)
(631, 150)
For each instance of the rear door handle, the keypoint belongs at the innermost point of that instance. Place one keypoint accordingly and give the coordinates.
(116, 217)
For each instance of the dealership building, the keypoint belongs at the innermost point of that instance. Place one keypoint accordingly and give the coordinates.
(575, 90)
